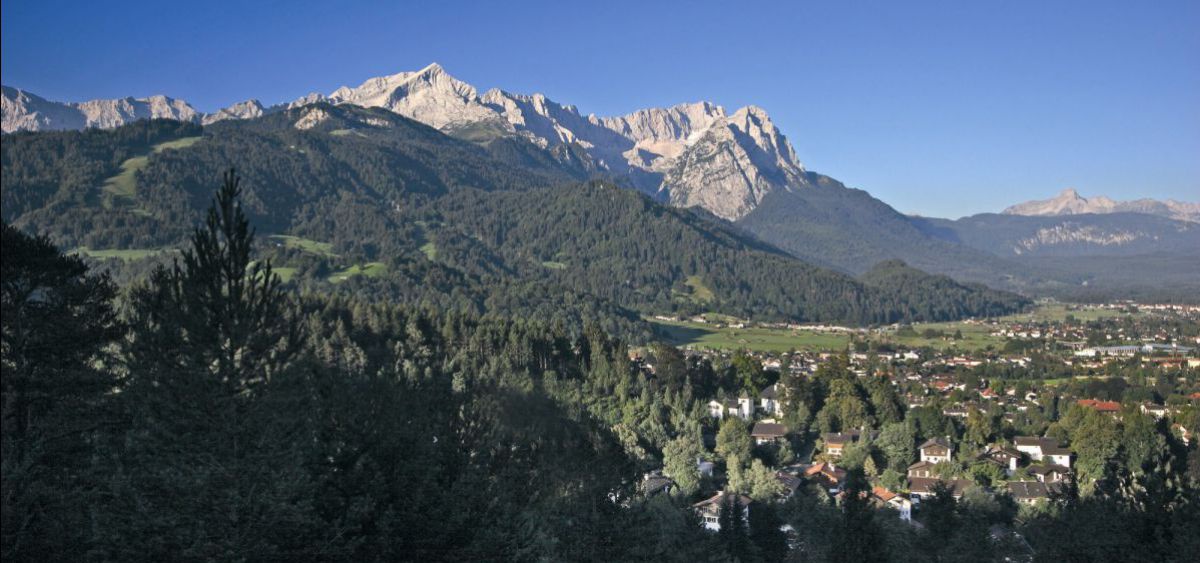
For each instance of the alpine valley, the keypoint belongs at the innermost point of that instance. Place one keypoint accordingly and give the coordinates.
(416, 187)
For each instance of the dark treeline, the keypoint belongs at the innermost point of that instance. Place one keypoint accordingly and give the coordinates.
(209, 413)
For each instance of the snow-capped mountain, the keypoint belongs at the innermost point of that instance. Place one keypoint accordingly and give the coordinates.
(691, 154)
(1069, 202)
(23, 111)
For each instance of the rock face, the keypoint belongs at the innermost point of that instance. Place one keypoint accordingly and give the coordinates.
(24, 111)
(248, 109)
(733, 165)
(1069, 202)
(691, 154)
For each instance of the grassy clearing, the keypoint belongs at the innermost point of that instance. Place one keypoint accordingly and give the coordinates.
(370, 269)
(700, 292)
(125, 254)
(123, 187)
(286, 274)
(430, 251)
(307, 245)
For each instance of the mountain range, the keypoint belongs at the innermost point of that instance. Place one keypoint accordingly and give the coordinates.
(693, 154)
(737, 166)
(1069, 202)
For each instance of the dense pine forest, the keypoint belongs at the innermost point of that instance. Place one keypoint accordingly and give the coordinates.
(210, 411)
(365, 203)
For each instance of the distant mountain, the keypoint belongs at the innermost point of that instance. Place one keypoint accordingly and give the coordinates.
(23, 111)
(1069, 202)
(1089, 256)
(1112, 234)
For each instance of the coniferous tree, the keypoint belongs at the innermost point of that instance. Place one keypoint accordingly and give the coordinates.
(212, 462)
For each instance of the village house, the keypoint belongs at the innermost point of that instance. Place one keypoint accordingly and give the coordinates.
(655, 483)
(1030, 492)
(742, 407)
(922, 487)
(883, 498)
(1157, 411)
(768, 433)
(1104, 407)
(956, 412)
(921, 469)
(936, 450)
(829, 476)
(1047, 449)
(791, 483)
(709, 510)
(1049, 473)
(770, 401)
(836, 442)
(1005, 457)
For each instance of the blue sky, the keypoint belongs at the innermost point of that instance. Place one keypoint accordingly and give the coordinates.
(938, 108)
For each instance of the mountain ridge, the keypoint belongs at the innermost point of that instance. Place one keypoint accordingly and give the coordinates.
(740, 157)
(1070, 202)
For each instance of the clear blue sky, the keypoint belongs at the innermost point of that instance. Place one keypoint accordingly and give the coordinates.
(939, 108)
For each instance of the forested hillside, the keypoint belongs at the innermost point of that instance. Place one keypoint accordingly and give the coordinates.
(363, 201)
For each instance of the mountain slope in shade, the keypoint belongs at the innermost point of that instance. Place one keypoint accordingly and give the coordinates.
(1111, 234)
(844, 228)
(1069, 202)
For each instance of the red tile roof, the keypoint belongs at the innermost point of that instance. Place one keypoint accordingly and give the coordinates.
(1102, 406)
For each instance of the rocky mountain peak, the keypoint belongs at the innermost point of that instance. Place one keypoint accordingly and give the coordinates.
(733, 165)
(248, 109)
(429, 95)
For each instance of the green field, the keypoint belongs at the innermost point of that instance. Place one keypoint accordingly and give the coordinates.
(307, 245)
(1059, 312)
(123, 187)
(975, 336)
(126, 254)
(370, 269)
(700, 335)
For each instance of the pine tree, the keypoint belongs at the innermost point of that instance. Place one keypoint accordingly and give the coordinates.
(212, 465)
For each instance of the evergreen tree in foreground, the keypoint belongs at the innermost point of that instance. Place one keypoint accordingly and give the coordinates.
(58, 322)
(212, 462)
